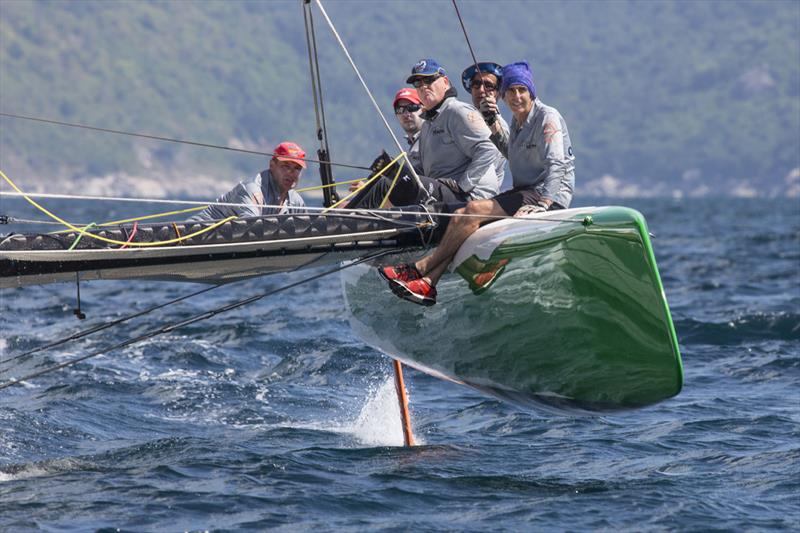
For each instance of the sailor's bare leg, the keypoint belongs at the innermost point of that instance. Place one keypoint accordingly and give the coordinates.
(433, 265)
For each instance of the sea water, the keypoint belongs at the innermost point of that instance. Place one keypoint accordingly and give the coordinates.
(276, 416)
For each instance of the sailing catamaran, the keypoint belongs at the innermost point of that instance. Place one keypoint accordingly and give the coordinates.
(563, 310)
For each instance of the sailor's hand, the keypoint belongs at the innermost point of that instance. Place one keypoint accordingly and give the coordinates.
(451, 184)
(489, 109)
(357, 185)
(529, 210)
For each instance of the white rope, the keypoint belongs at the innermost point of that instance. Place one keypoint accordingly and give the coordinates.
(372, 99)
(319, 210)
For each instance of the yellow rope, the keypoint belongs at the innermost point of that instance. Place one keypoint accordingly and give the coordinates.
(391, 188)
(137, 219)
(82, 231)
(373, 178)
(314, 188)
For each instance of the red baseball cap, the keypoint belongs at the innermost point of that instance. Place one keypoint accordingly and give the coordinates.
(406, 93)
(289, 151)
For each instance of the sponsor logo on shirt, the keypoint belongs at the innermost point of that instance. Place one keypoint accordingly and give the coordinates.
(550, 131)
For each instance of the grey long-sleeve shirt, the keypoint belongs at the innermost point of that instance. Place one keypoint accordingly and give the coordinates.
(455, 144)
(413, 151)
(259, 189)
(539, 153)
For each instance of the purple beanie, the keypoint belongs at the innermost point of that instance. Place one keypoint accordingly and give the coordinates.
(518, 73)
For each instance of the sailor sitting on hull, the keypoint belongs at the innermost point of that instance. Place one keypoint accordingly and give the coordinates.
(542, 165)
(272, 187)
(408, 110)
(458, 160)
(482, 85)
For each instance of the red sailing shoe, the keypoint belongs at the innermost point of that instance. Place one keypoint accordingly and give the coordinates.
(403, 272)
(418, 291)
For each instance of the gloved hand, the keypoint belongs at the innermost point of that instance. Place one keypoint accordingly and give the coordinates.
(529, 210)
(381, 161)
(452, 184)
(489, 110)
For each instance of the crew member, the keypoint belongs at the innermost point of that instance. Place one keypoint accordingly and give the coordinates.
(271, 188)
(408, 110)
(542, 165)
(487, 83)
(457, 158)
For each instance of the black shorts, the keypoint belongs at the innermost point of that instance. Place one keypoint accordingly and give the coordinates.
(407, 192)
(511, 200)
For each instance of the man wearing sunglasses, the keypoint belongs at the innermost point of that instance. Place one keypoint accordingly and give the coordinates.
(542, 164)
(457, 159)
(407, 109)
(485, 84)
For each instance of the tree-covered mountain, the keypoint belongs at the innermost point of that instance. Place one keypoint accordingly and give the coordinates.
(661, 97)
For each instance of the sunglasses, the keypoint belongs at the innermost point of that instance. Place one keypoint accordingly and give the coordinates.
(427, 80)
(411, 108)
(477, 84)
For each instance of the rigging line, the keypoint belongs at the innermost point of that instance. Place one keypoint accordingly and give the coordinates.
(370, 180)
(188, 321)
(82, 231)
(137, 219)
(315, 187)
(391, 187)
(326, 175)
(106, 325)
(166, 139)
(316, 79)
(372, 98)
(80, 236)
(306, 13)
(356, 214)
(324, 211)
(319, 85)
(486, 115)
(464, 29)
(133, 234)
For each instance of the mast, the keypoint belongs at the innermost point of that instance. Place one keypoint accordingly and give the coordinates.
(323, 153)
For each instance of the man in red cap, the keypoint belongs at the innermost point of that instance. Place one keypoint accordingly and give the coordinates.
(407, 109)
(267, 193)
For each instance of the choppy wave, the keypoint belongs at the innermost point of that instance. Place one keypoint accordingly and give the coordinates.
(276, 417)
(755, 327)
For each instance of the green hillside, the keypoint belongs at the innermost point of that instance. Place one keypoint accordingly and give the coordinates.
(701, 97)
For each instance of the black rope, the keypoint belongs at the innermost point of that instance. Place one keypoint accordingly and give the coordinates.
(474, 60)
(188, 321)
(486, 115)
(160, 138)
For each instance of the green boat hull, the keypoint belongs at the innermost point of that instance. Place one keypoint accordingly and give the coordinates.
(576, 321)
